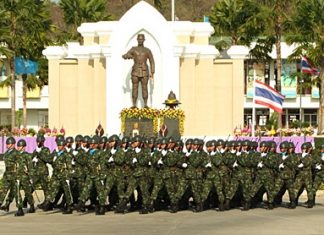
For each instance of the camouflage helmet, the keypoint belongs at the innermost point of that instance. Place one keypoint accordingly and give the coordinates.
(164, 141)
(113, 138)
(10, 140)
(263, 144)
(86, 139)
(171, 140)
(254, 144)
(201, 142)
(273, 144)
(208, 143)
(179, 143)
(189, 141)
(60, 142)
(283, 145)
(238, 143)
(196, 141)
(21, 143)
(137, 139)
(213, 143)
(246, 143)
(94, 140)
(69, 140)
(125, 140)
(40, 139)
(220, 142)
(103, 140)
(291, 145)
(78, 138)
(306, 145)
(151, 140)
(59, 137)
(322, 146)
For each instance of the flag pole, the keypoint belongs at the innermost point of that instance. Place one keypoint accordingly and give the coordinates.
(173, 10)
(253, 104)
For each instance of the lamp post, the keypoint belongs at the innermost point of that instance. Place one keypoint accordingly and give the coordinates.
(300, 102)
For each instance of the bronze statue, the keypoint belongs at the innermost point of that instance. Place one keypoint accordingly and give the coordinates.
(140, 70)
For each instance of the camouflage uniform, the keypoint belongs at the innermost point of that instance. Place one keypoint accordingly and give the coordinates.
(319, 171)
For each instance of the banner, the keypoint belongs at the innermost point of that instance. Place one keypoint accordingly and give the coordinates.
(23, 66)
(288, 82)
(259, 69)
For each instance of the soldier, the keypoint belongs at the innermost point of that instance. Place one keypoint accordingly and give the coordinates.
(140, 162)
(213, 178)
(193, 171)
(285, 165)
(96, 176)
(24, 178)
(265, 164)
(304, 173)
(8, 188)
(61, 162)
(319, 170)
(40, 169)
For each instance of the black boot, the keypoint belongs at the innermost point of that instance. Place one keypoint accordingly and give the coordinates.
(20, 212)
(199, 207)
(80, 207)
(221, 206)
(25, 203)
(68, 210)
(227, 204)
(174, 208)
(5, 207)
(270, 206)
(292, 205)
(48, 206)
(151, 207)
(41, 206)
(101, 211)
(310, 204)
(144, 210)
(122, 206)
(31, 209)
(246, 206)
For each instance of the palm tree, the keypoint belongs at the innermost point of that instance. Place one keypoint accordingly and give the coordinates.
(77, 12)
(236, 20)
(307, 29)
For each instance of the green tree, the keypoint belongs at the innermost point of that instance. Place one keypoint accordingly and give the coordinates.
(25, 34)
(77, 12)
(307, 30)
(237, 20)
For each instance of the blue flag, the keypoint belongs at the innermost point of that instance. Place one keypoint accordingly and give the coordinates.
(23, 66)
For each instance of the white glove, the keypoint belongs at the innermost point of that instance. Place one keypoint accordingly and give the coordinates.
(35, 159)
(304, 154)
(73, 162)
(85, 149)
(134, 160)
(75, 152)
(149, 163)
(164, 152)
(102, 182)
(208, 165)
(323, 157)
(38, 150)
(57, 150)
(67, 181)
(111, 159)
(233, 151)
(318, 167)
(113, 151)
(281, 166)
(68, 149)
(238, 154)
(184, 165)
(260, 165)
(160, 162)
(137, 150)
(235, 164)
(263, 154)
(188, 154)
(300, 165)
(222, 150)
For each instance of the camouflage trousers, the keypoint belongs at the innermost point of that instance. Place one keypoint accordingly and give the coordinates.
(77, 185)
(142, 184)
(209, 184)
(240, 179)
(304, 179)
(196, 187)
(56, 184)
(98, 185)
(24, 185)
(318, 180)
(288, 184)
(112, 181)
(8, 187)
(266, 180)
(42, 180)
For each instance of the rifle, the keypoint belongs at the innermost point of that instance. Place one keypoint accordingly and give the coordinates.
(18, 190)
(69, 187)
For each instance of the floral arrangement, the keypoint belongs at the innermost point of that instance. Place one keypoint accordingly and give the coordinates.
(156, 115)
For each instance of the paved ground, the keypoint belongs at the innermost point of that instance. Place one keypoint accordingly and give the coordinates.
(258, 221)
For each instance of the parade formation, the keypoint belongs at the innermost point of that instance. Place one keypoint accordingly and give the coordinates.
(149, 174)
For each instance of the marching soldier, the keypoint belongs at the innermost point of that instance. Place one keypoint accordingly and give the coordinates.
(318, 171)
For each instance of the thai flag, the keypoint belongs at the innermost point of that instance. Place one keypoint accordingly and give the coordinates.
(267, 96)
(306, 67)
